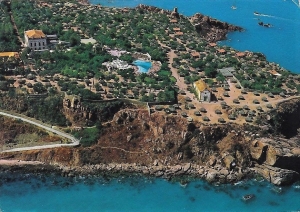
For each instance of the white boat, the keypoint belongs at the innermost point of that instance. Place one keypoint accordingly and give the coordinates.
(248, 197)
(233, 6)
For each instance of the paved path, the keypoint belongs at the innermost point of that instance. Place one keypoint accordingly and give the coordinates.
(75, 142)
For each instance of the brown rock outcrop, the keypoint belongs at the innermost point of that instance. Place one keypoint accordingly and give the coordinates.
(212, 29)
(152, 9)
(277, 152)
(276, 175)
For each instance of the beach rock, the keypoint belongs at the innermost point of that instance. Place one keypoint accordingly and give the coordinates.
(186, 167)
(211, 175)
(224, 172)
(276, 175)
(229, 161)
(277, 152)
(231, 178)
(212, 160)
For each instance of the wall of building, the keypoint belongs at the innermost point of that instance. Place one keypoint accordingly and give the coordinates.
(36, 44)
(205, 96)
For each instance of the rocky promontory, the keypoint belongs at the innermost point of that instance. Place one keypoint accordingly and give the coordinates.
(212, 29)
(209, 28)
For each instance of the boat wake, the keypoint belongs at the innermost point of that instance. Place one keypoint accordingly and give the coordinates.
(275, 17)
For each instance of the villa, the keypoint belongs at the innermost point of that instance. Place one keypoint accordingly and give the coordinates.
(221, 51)
(201, 88)
(117, 64)
(35, 39)
(240, 54)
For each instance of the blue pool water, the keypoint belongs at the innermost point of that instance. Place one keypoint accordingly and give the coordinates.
(30, 193)
(281, 43)
(143, 66)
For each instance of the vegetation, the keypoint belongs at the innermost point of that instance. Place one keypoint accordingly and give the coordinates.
(75, 68)
(88, 136)
(8, 40)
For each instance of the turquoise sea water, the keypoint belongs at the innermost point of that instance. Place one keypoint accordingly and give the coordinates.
(39, 193)
(143, 66)
(281, 43)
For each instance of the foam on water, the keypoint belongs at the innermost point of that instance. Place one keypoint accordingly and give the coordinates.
(280, 43)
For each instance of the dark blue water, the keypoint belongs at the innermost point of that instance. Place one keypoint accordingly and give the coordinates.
(280, 43)
(32, 193)
(143, 66)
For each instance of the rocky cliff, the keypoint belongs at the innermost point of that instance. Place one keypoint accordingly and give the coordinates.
(168, 146)
(212, 29)
(157, 145)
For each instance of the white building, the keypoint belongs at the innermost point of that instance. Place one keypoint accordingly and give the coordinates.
(203, 94)
(35, 39)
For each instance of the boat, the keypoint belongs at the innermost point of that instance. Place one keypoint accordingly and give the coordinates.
(256, 13)
(233, 6)
(263, 24)
(248, 197)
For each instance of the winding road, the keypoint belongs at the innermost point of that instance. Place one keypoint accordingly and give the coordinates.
(75, 142)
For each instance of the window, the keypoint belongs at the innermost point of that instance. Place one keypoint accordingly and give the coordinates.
(30, 44)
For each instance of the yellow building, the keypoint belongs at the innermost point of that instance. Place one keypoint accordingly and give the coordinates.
(9, 54)
(203, 93)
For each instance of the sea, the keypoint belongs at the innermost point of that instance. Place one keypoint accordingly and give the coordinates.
(280, 43)
(33, 193)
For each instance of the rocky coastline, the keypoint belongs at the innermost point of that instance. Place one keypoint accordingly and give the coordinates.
(178, 172)
(171, 148)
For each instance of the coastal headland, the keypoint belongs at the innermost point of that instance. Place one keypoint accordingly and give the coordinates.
(205, 111)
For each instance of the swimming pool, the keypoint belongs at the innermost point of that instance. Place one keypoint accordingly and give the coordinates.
(144, 66)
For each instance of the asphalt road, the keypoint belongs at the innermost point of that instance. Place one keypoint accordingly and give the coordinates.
(75, 142)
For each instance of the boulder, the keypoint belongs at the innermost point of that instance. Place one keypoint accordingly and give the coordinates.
(186, 167)
(224, 172)
(258, 150)
(277, 176)
(212, 160)
(212, 175)
(229, 161)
